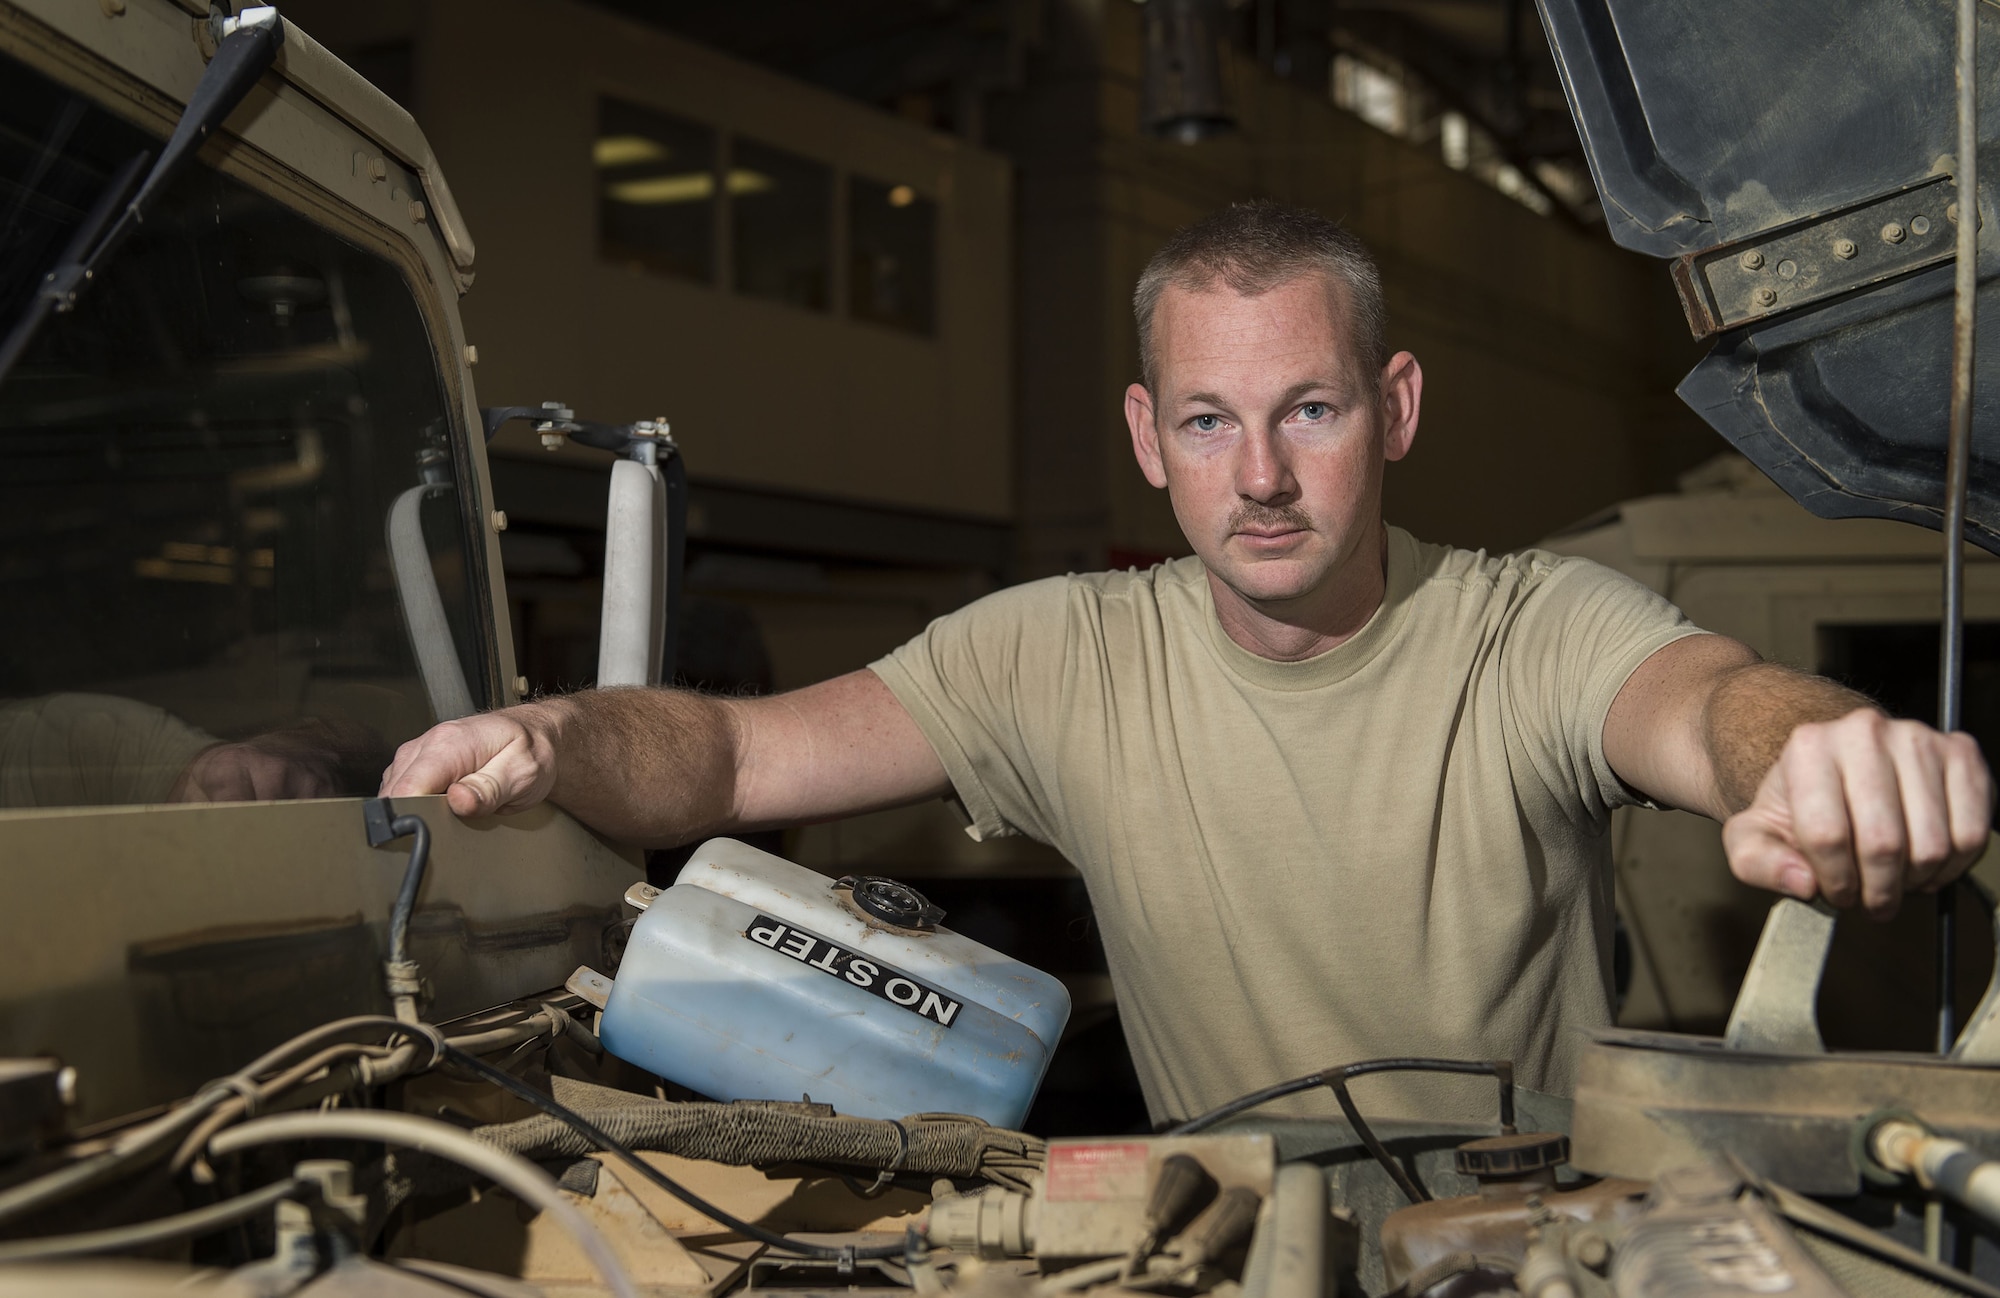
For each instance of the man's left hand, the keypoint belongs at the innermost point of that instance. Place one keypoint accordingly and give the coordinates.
(1864, 809)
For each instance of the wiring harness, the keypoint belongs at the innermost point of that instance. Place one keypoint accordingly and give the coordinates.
(345, 1063)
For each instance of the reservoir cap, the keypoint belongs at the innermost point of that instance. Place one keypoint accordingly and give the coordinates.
(1506, 1157)
(893, 903)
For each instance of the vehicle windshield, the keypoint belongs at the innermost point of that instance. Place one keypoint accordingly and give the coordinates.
(232, 564)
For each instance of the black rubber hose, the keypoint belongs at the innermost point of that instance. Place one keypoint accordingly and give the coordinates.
(1412, 1190)
(413, 879)
(603, 1140)
(1335, 1079)
(676, 477)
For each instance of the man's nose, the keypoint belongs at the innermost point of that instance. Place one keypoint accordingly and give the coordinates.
(1264, 468)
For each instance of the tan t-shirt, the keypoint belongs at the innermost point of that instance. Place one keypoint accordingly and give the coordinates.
(1397, 847)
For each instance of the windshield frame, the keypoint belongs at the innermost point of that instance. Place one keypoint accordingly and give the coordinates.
(419, 259)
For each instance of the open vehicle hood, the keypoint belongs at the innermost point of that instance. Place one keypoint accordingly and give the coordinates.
(1793, 159)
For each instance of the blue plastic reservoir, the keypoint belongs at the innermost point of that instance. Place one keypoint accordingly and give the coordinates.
(756, 979)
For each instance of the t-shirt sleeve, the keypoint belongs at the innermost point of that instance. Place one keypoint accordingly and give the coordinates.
(983, 685)
(1579, 635)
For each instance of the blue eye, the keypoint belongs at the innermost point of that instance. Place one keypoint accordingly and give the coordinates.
(1206, 423)
(1314, 410)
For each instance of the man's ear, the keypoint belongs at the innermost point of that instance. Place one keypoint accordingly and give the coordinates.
(1145, 434)
(1402, 396)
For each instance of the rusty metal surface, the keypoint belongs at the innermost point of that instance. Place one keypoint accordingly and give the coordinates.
(1704, 1233)
(153, 947)
(1494, 1223)
(1358, 1187)
(1650, 1102)
(1800, 265)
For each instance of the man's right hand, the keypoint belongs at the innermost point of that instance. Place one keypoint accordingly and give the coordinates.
(665, 766)
(484, 765)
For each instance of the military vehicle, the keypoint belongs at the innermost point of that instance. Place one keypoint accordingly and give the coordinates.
(263, 1033)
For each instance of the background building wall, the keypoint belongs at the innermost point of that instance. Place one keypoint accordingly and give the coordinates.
(759, 392)
(1549, 354)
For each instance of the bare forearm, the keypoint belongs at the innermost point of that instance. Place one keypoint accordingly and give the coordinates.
(649, 766)
(660, 767)
(1820, 794)
(1751, 714)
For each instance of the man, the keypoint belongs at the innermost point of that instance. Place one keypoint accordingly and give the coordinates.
(1336, 793)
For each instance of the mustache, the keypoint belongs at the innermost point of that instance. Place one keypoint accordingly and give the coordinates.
(1269, 518)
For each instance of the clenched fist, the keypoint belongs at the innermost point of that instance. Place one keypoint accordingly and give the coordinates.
(484, 765)
(1864, 809)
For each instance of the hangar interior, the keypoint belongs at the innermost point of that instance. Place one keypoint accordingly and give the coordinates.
(872, 263)
(952, 367)
(700, 244)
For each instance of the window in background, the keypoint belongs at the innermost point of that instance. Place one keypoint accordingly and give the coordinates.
(656, 191)
(892, 256)
(781, 210)
(1374, 95)
(1455, 140)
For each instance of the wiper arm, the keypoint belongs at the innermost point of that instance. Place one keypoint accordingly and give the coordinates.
(249, 43)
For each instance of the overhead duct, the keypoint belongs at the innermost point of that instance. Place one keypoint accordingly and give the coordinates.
(1180, 94)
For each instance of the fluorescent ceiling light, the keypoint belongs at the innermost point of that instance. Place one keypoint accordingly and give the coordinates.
(624, 150)
(688, 188)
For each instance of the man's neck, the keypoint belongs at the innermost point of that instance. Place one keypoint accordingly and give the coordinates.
(1298, 629)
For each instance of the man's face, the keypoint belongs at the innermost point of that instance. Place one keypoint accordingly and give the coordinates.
(1269, 434)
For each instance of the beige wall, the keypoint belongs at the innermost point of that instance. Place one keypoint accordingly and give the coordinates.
(1549, 354)
(758, 392)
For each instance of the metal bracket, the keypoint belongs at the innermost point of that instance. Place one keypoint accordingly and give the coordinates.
(592, 986)
(1808, 262)
(377, 815)
(1776, 1006)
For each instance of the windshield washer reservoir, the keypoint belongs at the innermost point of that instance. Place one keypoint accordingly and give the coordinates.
(754, 978)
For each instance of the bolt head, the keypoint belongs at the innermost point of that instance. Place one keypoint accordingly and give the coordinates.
(499, 520)
(1752, 260)
(1920, 225)
(1788, 269)
(1893, 232)
(1845, 249)
(1766, 296)
(521, 686)
(1593, 1250)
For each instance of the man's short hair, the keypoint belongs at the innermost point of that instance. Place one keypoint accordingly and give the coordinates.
(1256, 246)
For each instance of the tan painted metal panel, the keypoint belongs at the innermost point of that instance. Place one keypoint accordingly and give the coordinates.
(155, 947)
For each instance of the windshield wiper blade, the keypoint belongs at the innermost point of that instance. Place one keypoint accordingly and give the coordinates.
(249, 43)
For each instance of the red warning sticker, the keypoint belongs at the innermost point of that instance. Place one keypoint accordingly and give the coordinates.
(1094, 1172)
